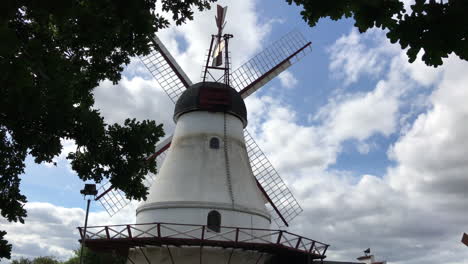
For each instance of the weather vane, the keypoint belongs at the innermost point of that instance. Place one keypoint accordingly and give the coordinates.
(220, 23)
(219, 54)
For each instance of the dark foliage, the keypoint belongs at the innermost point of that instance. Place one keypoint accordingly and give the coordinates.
(5, 248)
(435, 27)
(38, 260)
(94, 257)
(22, 261)
(52, 55)
(89, 257)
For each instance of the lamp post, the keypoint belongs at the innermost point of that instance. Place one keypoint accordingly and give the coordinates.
(89, 190)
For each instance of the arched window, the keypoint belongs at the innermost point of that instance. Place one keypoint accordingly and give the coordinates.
(214, 143)
(214, 221)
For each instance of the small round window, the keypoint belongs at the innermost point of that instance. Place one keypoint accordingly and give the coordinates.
(214, 143)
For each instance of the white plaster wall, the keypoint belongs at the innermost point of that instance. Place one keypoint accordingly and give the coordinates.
(192, 181)
(230, 219)
(190, 255)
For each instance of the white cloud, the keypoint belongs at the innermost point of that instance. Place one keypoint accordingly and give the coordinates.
(363, 115)
(419, 71)
(275, 127)
(433, 155)
(134, 98)
(291, 145)
(351, 58)
(415, 212)
(365, 148)
(430, 174)
(347, 116)
(370, 213)
(51, 230)
(287, 79)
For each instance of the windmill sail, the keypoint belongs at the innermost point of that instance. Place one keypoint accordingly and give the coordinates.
(166, 71)
(285, 206)
(269, 63)
(113, 200)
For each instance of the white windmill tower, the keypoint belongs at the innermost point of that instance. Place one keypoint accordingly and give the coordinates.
(207, 203)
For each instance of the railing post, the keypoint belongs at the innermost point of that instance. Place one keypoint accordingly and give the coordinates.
(107, 232)
(81, 232)
(237, 234)
(129, 231)
(298, 242)
(203, 233)
(312, 246)
(159, 230)
(326, 247)
(279, 237)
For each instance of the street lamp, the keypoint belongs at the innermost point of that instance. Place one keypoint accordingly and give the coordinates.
(89, 190)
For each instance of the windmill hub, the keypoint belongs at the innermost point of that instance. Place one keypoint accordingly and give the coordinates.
(211, 97)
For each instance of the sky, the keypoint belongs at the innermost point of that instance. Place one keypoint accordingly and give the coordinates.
(375, 149)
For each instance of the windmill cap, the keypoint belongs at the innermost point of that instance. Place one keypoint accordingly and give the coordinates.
(211, 97)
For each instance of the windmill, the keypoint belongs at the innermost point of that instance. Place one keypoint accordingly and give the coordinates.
(214, 180)
(246, 79)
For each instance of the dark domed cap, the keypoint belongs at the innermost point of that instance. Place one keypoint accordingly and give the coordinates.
(212, 97)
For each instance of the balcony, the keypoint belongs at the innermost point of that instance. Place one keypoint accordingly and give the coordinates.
(276, 242)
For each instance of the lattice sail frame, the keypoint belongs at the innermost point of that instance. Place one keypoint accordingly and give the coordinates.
(264, 66)
(166, 71)
(114, 200)
(271, 182)
(269, 63)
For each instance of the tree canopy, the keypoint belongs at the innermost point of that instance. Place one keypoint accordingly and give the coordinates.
(94, 257)
(437, 27)
(38, 260)
(52, 55)
(89, 257)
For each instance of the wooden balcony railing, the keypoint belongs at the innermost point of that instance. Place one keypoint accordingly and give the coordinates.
(265, 240)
